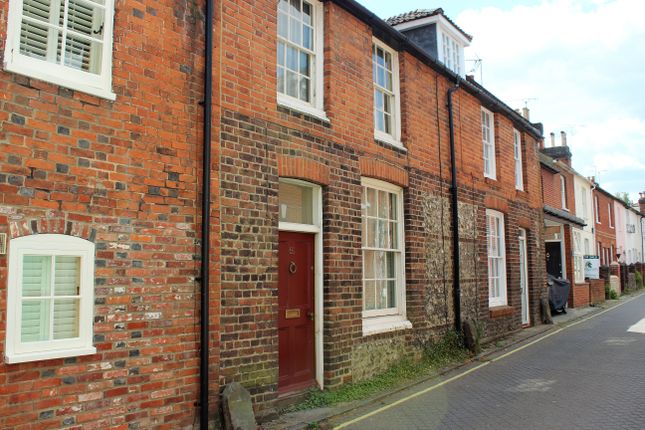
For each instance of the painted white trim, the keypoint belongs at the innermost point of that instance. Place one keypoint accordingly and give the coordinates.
(50, 245)
(502, 299)
(443, 24)
(99, 85)
(316, 229)
(302, 107)
(524, 269)
(519, 176)
(379, 321)
(492, 174)
(316, 107)
(395, 138)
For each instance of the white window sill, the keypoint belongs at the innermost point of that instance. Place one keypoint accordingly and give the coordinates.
(302, 107)
(389, 140)
(45, 74)
(492, 178)
(384, 324)
(48, 355)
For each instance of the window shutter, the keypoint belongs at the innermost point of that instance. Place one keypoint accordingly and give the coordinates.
(66, 283)
(34, 35)
(35, 310)
(78, 49)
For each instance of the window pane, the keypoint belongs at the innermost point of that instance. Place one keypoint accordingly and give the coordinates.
(37, 9)
(394, 236)
(295, 7)
(306, 13)
(380, 265)
(368, 265)
(381, 294)
(295, 31)
(283, 24)
(84, 18)
(281, 50)
(371, 233)
(280, 79)
(383, 204)
(292, 58)
(66, 317)
(34, 326)
(34, 39)
(381, 241)
(296, 203)
(292, 84)
(36, 274)
(308, 37)
(371, 202)
(391, 292)
(304, 89)
(67, 276)
(369, 298)
(391, 265)
(82, 54)
(304, 63)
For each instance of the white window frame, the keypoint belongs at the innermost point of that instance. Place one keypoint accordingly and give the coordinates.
(99, 85)
(500, 299)
(385, 320)
(314, 108)
(451, 53)
(609, 217)
(595, 200)
(17, 351)
(488, 140)
(578, 259)
(563, 192)
(395, 137)
(517, 154)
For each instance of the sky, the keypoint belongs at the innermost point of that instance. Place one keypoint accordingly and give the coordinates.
(578, 65)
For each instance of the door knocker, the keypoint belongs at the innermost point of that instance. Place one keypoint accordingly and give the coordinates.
(293, 268)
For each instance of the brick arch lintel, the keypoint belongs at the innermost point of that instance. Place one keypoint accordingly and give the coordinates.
(52, 225)
(496, 203)
(303, 168)
(379, 169)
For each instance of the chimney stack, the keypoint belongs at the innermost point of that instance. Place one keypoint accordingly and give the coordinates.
(525, 113)
(563, 138)
(641, 202)
(552, 140)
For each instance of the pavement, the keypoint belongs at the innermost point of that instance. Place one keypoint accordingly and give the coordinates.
(584, 371)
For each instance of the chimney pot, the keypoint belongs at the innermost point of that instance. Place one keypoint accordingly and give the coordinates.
(525, 113)
(552, 140)
(563, 138)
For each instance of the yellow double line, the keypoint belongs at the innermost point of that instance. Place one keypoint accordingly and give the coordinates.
(479, 366)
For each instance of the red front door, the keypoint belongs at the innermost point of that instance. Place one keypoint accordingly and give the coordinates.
(296, 311)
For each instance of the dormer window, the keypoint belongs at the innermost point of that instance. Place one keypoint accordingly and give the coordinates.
(436, 34)
(452, 53)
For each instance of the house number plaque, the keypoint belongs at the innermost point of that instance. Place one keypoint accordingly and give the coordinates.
(291, 314)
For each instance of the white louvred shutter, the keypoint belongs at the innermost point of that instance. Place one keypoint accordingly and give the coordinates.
(78, 46)
(66, 310)
(35, 303)
(35, 33)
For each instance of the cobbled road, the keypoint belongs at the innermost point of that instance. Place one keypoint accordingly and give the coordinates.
(590, 375)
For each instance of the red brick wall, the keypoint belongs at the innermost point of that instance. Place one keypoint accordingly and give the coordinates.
(258, 136)
(605, 234)
(596, 291)
(552, 189)
(127, 171)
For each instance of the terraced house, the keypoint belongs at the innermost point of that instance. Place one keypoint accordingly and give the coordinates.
(366, 198)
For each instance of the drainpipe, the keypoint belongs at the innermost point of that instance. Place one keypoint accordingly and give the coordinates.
(454, 214)
(206, 209)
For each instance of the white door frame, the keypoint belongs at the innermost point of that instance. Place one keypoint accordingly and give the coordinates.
(524, 276)
(316, 230)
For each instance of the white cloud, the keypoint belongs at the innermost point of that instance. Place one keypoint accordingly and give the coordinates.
(579, 66)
